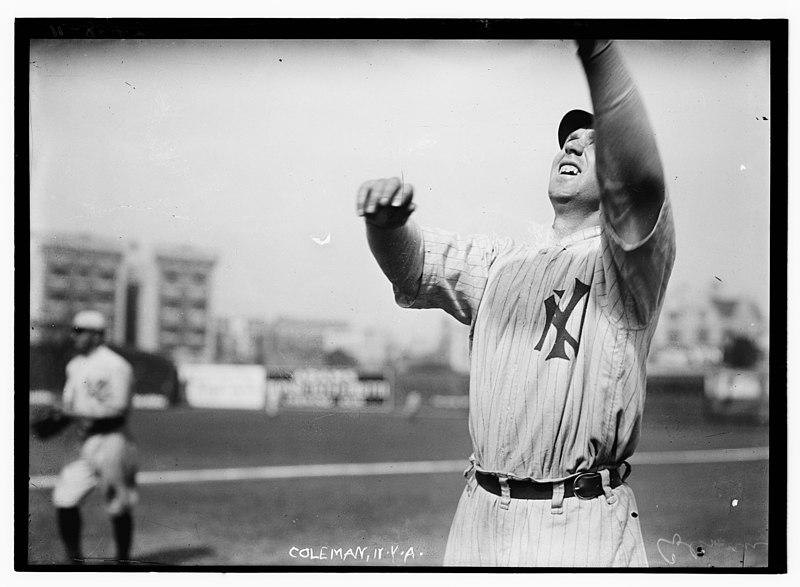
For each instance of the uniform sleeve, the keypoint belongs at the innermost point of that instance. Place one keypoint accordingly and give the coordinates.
(454, 273)
(637, 274)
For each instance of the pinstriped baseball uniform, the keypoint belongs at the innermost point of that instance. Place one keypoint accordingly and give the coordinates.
(559, 339)
(560, 330)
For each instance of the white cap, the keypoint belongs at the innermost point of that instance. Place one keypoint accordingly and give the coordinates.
(90, 320)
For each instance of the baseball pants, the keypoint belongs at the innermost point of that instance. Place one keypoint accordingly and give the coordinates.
(571, 532)
(107, 461)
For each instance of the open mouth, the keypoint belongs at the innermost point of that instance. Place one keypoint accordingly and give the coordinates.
(568, 169)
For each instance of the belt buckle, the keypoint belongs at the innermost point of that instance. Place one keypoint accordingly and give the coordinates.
(575, 490)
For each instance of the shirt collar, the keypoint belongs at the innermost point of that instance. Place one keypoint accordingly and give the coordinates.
(579, 235)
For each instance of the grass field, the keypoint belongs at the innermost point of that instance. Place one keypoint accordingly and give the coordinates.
(696, 512)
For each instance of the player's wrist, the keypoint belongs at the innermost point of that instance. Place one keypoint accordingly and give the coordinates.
(386, 225)
(589, 49)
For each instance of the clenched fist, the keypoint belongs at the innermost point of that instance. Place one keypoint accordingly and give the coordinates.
(385, 203)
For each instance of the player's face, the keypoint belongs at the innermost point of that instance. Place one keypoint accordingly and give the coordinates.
(84, 340)
(572, 176)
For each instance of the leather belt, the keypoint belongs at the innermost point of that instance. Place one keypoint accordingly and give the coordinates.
(582, 485)
(104, 425)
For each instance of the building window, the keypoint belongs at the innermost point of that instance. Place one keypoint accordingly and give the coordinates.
(104, 296)
(674, 337)
(57, 294)
(171, 302)
(703, 335)
(58, 269)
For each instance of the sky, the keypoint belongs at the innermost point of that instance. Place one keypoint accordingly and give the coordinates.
(254, 149)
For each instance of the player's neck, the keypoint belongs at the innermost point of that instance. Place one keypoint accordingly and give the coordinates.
(90, 350)
(569, 222)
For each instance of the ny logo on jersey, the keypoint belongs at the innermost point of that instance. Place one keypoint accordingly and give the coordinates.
(558, 318)
(98, 389)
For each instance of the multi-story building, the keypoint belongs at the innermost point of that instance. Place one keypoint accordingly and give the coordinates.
(157, 300)
(174, 291)
(73, 272)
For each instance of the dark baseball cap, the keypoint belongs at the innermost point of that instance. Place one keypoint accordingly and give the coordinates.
(573, 120)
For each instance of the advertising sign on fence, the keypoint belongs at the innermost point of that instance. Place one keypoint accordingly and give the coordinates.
(240, 387)
(329, 388)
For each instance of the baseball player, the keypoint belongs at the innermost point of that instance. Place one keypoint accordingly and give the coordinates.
(560, 331)
(97, 395)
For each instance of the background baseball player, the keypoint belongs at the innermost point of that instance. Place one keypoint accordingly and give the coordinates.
(97, 397)
(560, 331)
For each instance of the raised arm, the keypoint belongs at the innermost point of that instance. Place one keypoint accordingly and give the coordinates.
(394, 239)
(629, 168)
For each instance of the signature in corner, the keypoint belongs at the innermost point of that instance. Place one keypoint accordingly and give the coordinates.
(698, 549)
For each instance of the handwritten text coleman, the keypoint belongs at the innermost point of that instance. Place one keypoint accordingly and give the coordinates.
(391, 554)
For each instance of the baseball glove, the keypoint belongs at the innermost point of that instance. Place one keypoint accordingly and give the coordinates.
(49, 422)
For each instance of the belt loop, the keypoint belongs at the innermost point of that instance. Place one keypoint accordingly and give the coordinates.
(628, 470)
(557, 503)
(505, 492)
(469, 475)
(605, 476)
